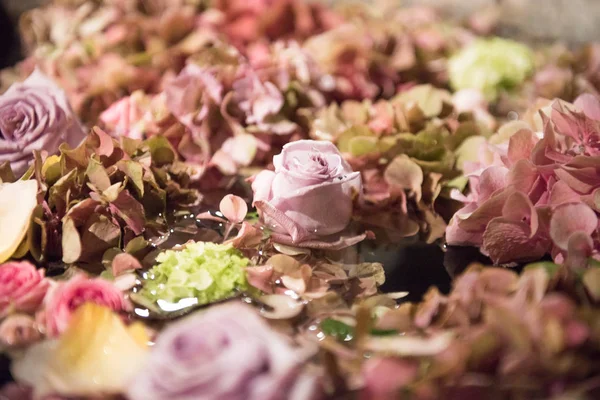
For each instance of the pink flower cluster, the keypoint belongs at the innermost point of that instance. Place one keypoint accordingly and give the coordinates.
(25, 290)
(539, 192)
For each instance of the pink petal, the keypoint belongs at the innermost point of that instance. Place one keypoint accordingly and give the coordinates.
(577, 179)
(234, 208)
(295, 231)
(589, 104)
(336, 242)
(491, 208)
(384, 377)
(522, 175)
(490, 181)
(260, 278)
(506, 241)
(518, 208)
(248, 236)
(124, 262)
(456, 236)
(561, 193)
(261, 185)
(521, 145)
(579, 249)
(570, 218)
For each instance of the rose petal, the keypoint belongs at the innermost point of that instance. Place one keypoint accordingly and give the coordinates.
(334, 243)
(261, 186)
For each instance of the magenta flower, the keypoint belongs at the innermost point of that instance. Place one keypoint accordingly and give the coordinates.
(310, 193)
(227, 352)
(35, 115)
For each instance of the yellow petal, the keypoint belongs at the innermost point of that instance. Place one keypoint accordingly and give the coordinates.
(97, 355)
(17, 201)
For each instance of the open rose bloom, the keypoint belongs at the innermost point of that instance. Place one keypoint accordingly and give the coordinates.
(310, 194)
(35, 115)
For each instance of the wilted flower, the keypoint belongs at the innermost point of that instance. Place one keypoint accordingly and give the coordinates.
(225, 352)
(306, 174)
(35, 115)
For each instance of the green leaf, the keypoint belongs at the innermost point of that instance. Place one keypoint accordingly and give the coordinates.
(362, 145)
(344, 140)
(428, 98)
(161, 150)
(337, 329)
(97, 175)
(550, 267)
(6, 173)
(51, 169)
(135, 172)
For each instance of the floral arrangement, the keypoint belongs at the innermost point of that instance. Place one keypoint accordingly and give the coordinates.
(191, 192)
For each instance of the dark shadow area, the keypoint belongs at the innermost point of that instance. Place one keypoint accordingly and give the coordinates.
(412, 268)
(10, 49)
(5, 376)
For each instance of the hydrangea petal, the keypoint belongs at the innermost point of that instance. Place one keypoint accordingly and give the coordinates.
(570, 218)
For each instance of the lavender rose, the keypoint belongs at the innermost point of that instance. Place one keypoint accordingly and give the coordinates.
(35, 115)
(227, 352)
(310, 193)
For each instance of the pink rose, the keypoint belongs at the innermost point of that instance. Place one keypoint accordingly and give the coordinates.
(310, 193)
(68, 296)
(228, 352)
(22, 287)
(125, 117)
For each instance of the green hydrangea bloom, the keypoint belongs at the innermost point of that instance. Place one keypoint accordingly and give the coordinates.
(206, 271)
(490, 65)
